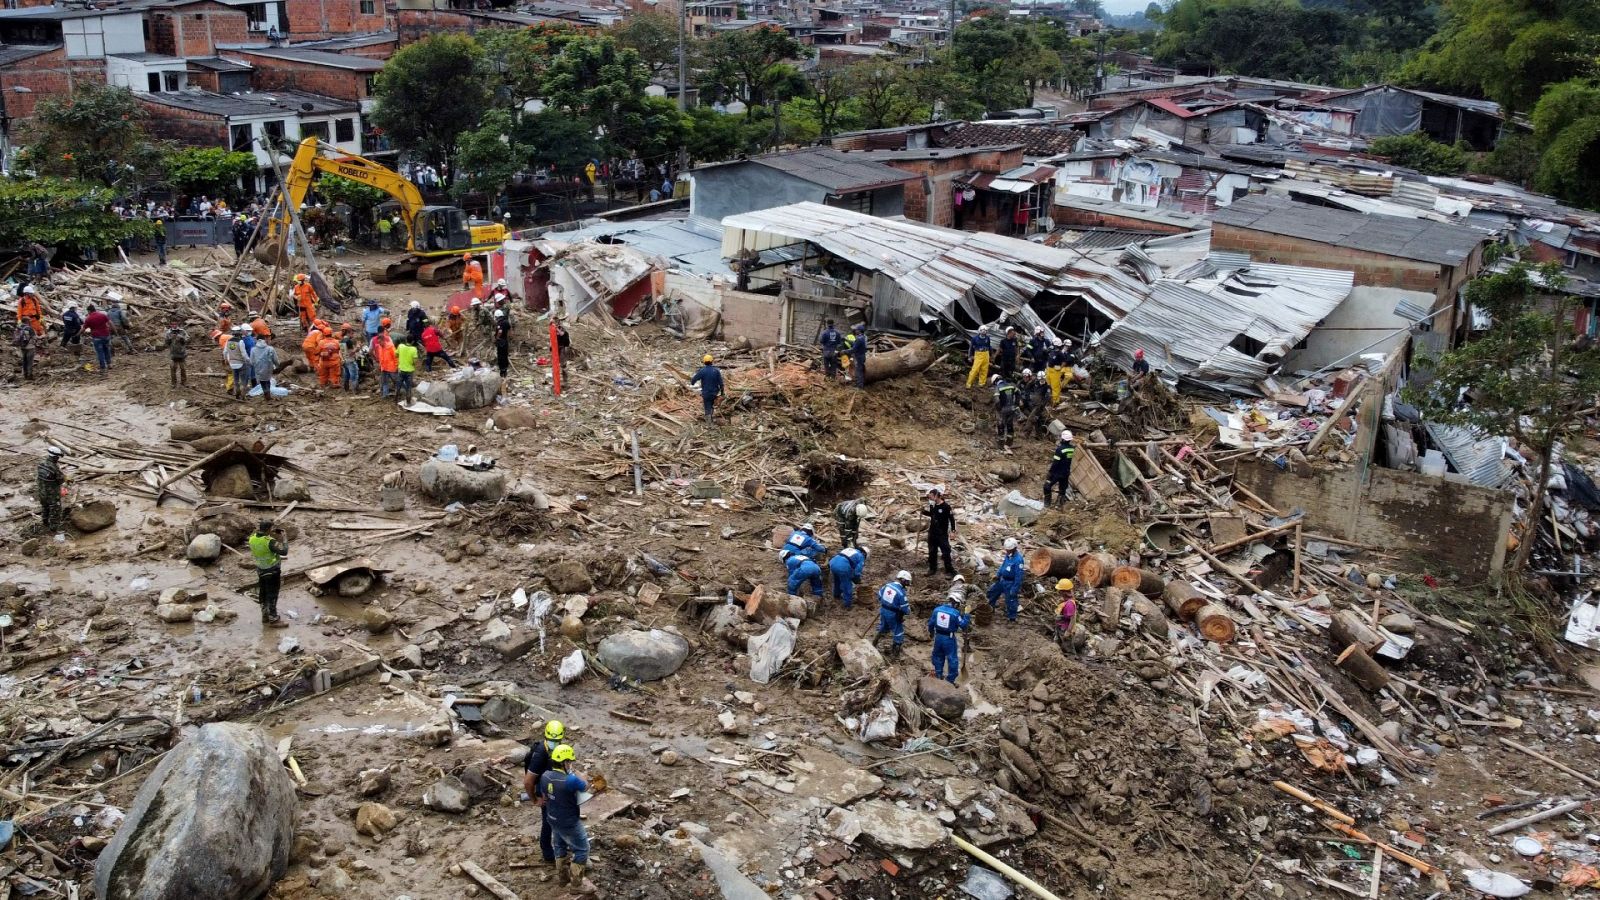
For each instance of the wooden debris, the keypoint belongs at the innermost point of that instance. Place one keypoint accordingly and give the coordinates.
(1131, 578)
(1366, 672)
(1052, 563)
(486, 881)
(1183, 600)
(1094, 570)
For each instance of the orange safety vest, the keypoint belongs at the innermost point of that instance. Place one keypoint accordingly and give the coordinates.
(384, 350)
(329, 351)
(312, 343)
(474, 272)
(28, 305)
(261, 328)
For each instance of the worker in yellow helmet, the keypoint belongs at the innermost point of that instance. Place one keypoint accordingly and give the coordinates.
(709, 378)
(559, 789)
(535, 765)
(1066, 612)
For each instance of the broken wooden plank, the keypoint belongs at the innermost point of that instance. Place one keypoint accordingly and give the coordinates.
(486, 881)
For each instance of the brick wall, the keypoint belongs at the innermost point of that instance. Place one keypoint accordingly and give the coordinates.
(313, 19)
(186, 126)
(1070, 217)
(1369, 268)
(1431, 524)
(936, 189)
(373, 51)
(415, 24)
(196, 29)
(281, 74)
(48, 76)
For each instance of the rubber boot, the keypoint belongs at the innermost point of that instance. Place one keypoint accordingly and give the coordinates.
(564, 870)
(581, 884)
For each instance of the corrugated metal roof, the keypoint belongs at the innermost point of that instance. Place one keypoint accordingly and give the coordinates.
(832, 169)
(1418, 239)
(1481, 458)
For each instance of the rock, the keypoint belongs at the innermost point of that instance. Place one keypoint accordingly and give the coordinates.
(1005, 470)
(1020, 761)
(527, 492)
(945, 699)
(644, 655)
(668, 757)
(730, 723)
(517, 644)
(448, 795)
(182, 595)
(205, 548)
(861, 660)
(375, 819)
(232, 527)
(375, 619)
(96, 515)
(569, 577)
(173, 613)
(842, 824)
(1399, 623)
(462, 389)
(233, 481)
(497, 630)
(892, 827)
(448, 482)
(335, 882)
(410, 655)
(509, 417)
(497, 710)
(372, 782)
(288, 488)
(434, 734)
(215, 819)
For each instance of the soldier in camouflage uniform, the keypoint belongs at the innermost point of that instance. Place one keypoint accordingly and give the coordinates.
(49, 481)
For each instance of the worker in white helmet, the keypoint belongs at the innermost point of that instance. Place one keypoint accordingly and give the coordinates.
(1008, 579)
(892, 608)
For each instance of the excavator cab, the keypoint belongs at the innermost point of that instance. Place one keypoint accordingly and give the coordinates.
(442, 228)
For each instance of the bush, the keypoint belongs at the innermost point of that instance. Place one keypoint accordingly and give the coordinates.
(1422, 153)
(1515, 158)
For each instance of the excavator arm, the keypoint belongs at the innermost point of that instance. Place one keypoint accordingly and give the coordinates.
(308, 160)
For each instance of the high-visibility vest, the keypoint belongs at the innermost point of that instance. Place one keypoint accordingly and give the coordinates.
(261, 549)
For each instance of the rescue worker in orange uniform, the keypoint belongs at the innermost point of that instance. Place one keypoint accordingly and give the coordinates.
(260, 327)
(472, 275)
(456, 323)
(388, 363)
(305, 297)
(30, 311)
(312, 345)
(225, 317)
(329, 361)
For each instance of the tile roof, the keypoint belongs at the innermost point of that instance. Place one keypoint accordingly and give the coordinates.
(1417, 239)
(316, 58)
(1037, 140)
(833, 169)
(254, 103)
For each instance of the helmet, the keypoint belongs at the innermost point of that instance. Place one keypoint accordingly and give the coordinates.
(1010, 544)
(30, 289)
(785, 553)
(1039, 329)
(55, 451)
(864, 511)
(415, 305)
(1064, 584)
(1056, 342)
(706, 358)
(302, 277)
(371, 302)
(554, 730)
(225, 306)
(903, 576)
(385, 322)
(499, 314)
(983, 329)
(809, 528)
(1027, 373)
(475, 303)
(1138, 354)
(466, 256)
(994, 379)
(562, 753)
(501, 282)
(1066, 435)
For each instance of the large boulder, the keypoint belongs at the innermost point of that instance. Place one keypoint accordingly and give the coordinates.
(644, 655)
(462, 389)
(204, 549)
(946, 700)
(96, 515)
(509, 417)
(569, 577)
(233, 527)
(288, 488)
(861, 660)
(232, 481)
(448, 482)
(215, 819)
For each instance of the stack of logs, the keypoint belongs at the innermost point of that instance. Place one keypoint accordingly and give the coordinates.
(1101, 570)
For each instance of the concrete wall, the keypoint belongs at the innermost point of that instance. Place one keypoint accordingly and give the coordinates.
(196, 29)
(273, 74)
(1431, 524)
(757, 317)
(1367, 315)
(97, 36)
(932, 199)
(48, 76)
(732, 189)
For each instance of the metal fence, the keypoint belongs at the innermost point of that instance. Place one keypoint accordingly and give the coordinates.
(199, 232)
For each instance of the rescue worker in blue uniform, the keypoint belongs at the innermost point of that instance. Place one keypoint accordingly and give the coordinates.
(856, 343)
(803, 540)
(1038, 352)
(534, 765)
(802, 569)
(846, 567)
(831, 342)
(1060, 475)
(943, 625)
(892, 609)
(712, 387)
(1008, 579)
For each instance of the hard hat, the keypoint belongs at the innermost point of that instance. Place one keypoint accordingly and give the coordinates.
(30, 289)
(225, 306)
(785, 553)
(344, 326)
(1010, 544)
(1027, 373)
(562, 753)
(1064, 584)
(385, 322)
(499, 314)
(1039, 329)
(983, 329)
(1138, 354)
(476, 303)
(864, 511)
(53, 450)
(994, 379)
(1057, 343)
(302, 277)
(809, 528)
(466, 256)
(501, 282)
(371, 301)
(1066, 435)
(554, 730)
(903, 575)
(706, 358)
(263, 525)
(415, 305)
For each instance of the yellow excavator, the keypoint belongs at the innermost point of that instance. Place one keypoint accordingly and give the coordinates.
(436, 236)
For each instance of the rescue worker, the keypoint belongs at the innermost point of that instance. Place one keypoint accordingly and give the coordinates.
(1058, 371)
(803, 540)
(559, 789)
(978, 349)
(1060, 475)
(405, 360)
(51, 487)
(1005, 410)
(712, 387)
(225, 317)
(120, 326)
(831, 342)
(177, 346)
(72, 329)
(416, 318)
(433, 346)
(1008, 579)
(892, 609)
(456, 324)
(1066, 612)
(25, 340)
(499, 295)
(534, 765)
(1008, 354)
(1038, 352)
(471, 275)
(264, 365)
(849, 515)
(268, 550)
(312, 345)
(350, 348)
(856, 343)
(329, 364)
(1141, 367)
(30, 310)
(371, 318)
(802, 570)
(237, 360)
(502, 342)
(943, 624)
(1031, 394)
(941, 522)
(383, 351)
(259, 327)
(846, 568)
(305, 299)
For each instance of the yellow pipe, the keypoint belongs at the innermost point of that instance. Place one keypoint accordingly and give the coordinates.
(1028, 883)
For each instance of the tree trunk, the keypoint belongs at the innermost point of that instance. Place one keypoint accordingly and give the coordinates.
(1355, 662)
(1536, 507)
(913, 357)
(1094, 569)
(1048, 561)
(1215, 623)
(1183, 600)
(1132, 578)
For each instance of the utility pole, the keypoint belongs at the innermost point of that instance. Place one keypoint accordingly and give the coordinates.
(683, 74)
(952, 41)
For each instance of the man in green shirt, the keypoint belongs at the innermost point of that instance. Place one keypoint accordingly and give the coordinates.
(268, 550)
(385, 228)
(405, 357)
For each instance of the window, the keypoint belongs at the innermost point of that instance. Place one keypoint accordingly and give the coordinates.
(372, 85)
(154, 81)
(368, 8)
(272, 131)
(239, 138)
(318, 130)
(344, 131)
(172, 82)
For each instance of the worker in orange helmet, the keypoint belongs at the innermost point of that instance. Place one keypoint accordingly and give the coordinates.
(456, 323)
(225, 317)
(312, 345)
(30, 310)
(259, 327)
(472, 275)
(305, 297)
(329, 361)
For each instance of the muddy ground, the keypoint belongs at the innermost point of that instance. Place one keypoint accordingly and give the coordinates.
(1177, 800)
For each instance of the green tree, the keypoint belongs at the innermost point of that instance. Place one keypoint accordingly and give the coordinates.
(59, 212)
(1521, 377)
(97, 134)
(1570, 166)
(1509, 50)
(739, 61)
(488, 156)
(431, 92)
(654, 36)
(1562, 105)
(557, 140)
(361, 198)
(1422, 153)
(1264, 38)
(604, 84)
(880, 96)
(208, 170)
(1515, 158)
(515, 60)
(714, 136)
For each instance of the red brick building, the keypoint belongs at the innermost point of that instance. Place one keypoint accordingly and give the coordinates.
(31, 73)
(932, 198)
(313, 19)
(317, 71)
(195, 28)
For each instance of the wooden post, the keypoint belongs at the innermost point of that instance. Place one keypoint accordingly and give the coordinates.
(1355, 662)
(1299, 549)
(1349, 628)
(555, 357)
(1132, 578)
(1249, 538)
(1052, 562)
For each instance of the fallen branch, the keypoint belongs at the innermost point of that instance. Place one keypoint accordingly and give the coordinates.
(1021, 879)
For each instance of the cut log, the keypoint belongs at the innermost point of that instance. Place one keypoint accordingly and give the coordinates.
(780, 533)
(1132, 578)
(1355, 662)
(1183, 600)
(913, 357)
(1153, 620)
(1215, 623)
(1094, 570)
(1349, 627)
(1053, 563)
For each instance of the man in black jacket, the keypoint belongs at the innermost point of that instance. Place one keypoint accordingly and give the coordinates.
(941, 522)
